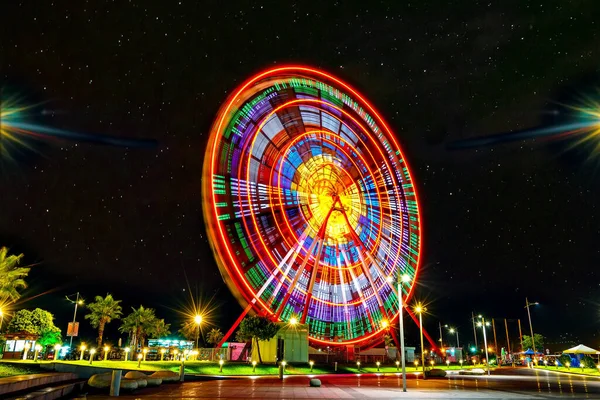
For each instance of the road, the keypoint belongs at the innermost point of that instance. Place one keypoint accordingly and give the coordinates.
(518, 383)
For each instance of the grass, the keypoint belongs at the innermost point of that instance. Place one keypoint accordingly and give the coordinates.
(233, 368)
(12, 370)
(572, 370)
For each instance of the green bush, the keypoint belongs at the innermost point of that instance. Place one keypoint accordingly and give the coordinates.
(588, 362)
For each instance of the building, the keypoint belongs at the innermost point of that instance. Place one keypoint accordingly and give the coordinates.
(289, 344)
(16, 343)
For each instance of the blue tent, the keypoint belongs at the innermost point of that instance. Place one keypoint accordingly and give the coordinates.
(529, 352)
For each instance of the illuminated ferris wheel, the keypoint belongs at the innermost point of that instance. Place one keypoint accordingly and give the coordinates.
(310, 206)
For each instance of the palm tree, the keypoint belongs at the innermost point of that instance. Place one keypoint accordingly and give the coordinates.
(214, 336)
(102, 311)
(11, 276)
(159, 329)
(139, 323)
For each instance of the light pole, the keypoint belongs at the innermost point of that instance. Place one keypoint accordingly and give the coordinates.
(527, 305)
(452, 330)
(419, 309)
(293, 323)
(483, 324)
(198, 321)
(77, 302)
(403, 279)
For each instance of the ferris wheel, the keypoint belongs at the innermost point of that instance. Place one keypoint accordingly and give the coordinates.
(310, 206)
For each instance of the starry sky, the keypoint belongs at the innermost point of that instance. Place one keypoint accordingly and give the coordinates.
(500, 223)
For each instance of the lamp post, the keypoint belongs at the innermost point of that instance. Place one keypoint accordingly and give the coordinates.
(402, 279)
(453, 330)
(527, 305)
(57, 348)
(197, 321)
(127, 350)
(145, 351)
(483, 324)
(106, 349)
(419, 309)
(162, 354)
(77, 302)
(82, 348)
(38, 348)
(293, 323)
(92, 352)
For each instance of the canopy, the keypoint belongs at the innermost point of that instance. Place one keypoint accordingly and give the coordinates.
(529, 352)
(581, 349)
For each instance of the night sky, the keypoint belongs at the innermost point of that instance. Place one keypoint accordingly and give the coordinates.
(501, 223)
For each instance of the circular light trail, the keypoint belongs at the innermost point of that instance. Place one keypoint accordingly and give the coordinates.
(310, 206)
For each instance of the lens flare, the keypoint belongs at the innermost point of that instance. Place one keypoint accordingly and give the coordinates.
(18, 131)
(581, 128)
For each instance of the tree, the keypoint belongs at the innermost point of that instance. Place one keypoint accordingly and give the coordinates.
(188, 330)
(159, 329)
(37, 322)
(140, 323)
(102, 311)
(11, 276)
(214, 336)
(258, 328)
(539, 342)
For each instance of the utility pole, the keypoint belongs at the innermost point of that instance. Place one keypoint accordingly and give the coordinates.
(441, 338)
(520, 335)
(495, 341)
(77, 303)
(474, 330)
(527, 305)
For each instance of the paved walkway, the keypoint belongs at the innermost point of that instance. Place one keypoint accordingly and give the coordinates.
(537, 386)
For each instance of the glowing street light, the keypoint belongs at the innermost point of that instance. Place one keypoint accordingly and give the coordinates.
(378, 364)
(293, 321)
(139, 357)
(127, 350)
(448, 363)
(483, 324)
(82, 348)
(106, 349)
(221, 362)
(254, 366)
(397, 365)
(162, 354)
(419, 309)
(78, 302)
(527, 305)
(358, 366)
(311, 363)
(92, 352)
(145, 352)
(57, 348)
(403, 279)
(38, 348)
(197, 321)
(453, 330)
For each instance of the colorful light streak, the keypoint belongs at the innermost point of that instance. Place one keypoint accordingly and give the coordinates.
(310, 205)
(582, 128)
(18, 132)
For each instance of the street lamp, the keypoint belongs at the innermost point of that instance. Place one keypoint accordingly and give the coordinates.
(402, 279)
(145, 351)
(483, 324)
(452, 330)
(92, 352)
(197, 321)
(527, 305)
(77, 302)
(57, 348)
(419, 309)
(106, 349)
(82, 348)
(162, 354)
(127, 350)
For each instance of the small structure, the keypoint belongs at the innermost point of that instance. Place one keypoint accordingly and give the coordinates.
(289, 344)
(580, 351)
(16, 343)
